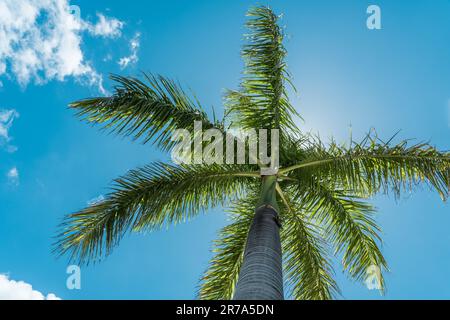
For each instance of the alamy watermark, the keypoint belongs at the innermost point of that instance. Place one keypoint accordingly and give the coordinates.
(73, 281)
(214, 146)
(373, 22)
(75, 11)
(373, 278)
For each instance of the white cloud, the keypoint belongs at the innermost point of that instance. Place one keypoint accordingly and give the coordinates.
(41, 41)
(105, 27)
(6, 120)
(19, 290)
(133, 57)
(13, 176)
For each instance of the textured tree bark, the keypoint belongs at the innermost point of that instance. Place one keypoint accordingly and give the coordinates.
(261, 274)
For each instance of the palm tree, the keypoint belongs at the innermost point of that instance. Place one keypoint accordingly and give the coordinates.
(314, 202)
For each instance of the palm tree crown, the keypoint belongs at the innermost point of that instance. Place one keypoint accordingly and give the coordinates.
(321, 190)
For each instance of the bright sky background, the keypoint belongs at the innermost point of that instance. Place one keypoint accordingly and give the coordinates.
(51, 164)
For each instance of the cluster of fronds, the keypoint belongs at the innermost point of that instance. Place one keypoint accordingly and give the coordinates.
(322, 189)
(262, 101)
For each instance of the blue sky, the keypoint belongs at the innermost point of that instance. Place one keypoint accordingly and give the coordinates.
(51, 164)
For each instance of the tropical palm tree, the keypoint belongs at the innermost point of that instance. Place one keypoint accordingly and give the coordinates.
(313, 203)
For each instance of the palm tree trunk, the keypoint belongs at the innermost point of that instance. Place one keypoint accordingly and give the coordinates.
(261, 275)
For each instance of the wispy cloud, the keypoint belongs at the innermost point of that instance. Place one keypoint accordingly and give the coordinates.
(133, 57)
(13, 176)
(19, 290)
(41, 41)
(6, 120)
(105, 27)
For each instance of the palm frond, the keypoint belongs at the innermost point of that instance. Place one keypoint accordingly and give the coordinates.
(220, 278)
(372, 166)
(151, 111)
(307, 266)
(262, 102)
(349, 225)
(145, 199)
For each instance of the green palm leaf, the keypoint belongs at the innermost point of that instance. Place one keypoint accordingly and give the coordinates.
(373, 166)
(220, 279)
(262, 102)
(145, 199)
(349, 225)
(147, 111)
(307, 266)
